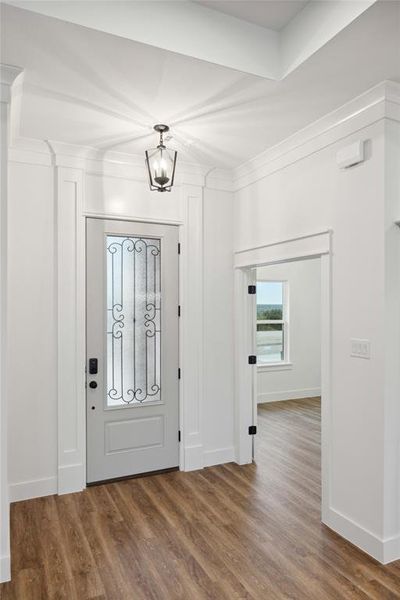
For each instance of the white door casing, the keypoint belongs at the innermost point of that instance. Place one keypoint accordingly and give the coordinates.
(132, 333)
(314, 245)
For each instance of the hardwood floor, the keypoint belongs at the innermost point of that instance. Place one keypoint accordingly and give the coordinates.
(225, 532)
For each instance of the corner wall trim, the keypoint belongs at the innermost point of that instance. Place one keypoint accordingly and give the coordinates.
(383, 550)
(391, 549)
(191, 333)
(9, 74)
(25, 490)
(288, 395)
(70, 328)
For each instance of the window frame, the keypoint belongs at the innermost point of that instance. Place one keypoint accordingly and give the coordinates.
(285, 362)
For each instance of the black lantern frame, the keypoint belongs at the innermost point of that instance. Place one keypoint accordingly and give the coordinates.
(161, 164)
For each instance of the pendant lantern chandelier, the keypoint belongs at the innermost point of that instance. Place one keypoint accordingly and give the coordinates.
(161, 163)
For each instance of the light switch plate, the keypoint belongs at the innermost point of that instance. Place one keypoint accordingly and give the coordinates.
(360, 348)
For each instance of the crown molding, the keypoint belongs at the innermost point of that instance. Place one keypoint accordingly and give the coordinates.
(380, 101)
(92, 161)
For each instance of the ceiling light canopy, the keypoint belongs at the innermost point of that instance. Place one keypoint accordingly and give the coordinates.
(161, 164)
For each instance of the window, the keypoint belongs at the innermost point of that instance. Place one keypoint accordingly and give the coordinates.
(272, 322)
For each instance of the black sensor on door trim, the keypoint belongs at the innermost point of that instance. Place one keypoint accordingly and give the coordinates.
(93, 368)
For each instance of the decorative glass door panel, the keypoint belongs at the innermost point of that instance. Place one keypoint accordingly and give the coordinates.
(133, 283)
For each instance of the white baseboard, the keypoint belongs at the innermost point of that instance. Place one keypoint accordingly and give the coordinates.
(288, 395)
(219, 456)
(5, 569)
(384, 551)
(196, 458)
(71, 479)
(24, 490)
(391, 549)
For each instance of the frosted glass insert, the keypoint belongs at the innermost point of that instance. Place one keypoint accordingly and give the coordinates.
(133, 320)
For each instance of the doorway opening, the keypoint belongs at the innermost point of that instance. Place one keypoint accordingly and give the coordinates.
(246, 262)
(288, 380)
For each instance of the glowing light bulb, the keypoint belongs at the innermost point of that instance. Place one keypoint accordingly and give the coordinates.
(160, 172)
(163, 166)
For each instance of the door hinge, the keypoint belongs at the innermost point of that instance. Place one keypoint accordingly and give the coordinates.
(252, 430)
(179, 435)
(179, 373)
(252, 359)
(179, 310)
(179, 247)
(252, 289)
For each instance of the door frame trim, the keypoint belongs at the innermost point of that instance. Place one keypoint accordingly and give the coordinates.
(315, 245)
(71, 324)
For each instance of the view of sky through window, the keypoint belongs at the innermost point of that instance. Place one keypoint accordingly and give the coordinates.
(269, 292)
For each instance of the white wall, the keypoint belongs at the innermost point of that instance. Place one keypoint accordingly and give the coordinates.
(34, 447)
(304, 192)
(302, 378)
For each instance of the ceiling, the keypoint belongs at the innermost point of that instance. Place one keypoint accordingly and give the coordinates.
(194, 30)
(274, 14)
(87, 87)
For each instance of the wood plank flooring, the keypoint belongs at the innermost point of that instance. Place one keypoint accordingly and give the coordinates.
(225, 532)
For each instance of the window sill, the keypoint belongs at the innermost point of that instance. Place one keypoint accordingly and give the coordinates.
(279, 366)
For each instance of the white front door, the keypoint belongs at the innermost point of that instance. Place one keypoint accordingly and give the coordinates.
(132, 348)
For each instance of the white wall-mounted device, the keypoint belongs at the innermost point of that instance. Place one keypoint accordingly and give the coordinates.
(350, 155)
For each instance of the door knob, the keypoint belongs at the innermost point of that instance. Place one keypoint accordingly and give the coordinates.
(93, 385)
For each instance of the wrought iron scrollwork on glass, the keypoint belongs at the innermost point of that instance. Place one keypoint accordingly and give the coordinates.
(133, 320)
